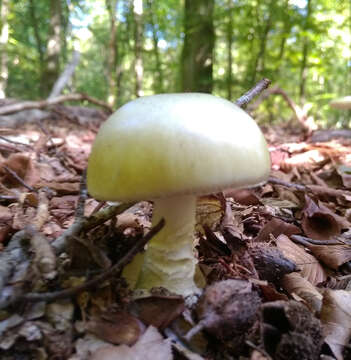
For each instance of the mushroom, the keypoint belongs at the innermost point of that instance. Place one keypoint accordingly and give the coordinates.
(169, 148)
(343, 103)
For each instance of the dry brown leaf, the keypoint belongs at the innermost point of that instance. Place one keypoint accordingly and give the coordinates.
(336, 319)
(242, 196)
(209, 212)
(116, 328)
(319, 222)
(151, 346)
(294, 283)
(22, 165)
(345, 174)
(158, 310)
(276, 227)
(331, 255)
(60, 188)
(309, 266)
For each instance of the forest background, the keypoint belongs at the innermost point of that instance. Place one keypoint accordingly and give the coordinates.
(122, 49)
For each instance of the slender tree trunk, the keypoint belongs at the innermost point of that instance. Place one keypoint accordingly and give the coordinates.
(155, 39)
(112, 52)
(138, 46)
(197, 56)
(52, 66)
(38, 41)
(259, 63)
(305, 50)
(4, 36)
(229, 79)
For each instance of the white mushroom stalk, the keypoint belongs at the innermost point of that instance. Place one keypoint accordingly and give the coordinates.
(169, 260)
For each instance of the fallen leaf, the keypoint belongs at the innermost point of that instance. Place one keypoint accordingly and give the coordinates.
(294, 283)
(151, 346)
(331, 255)
(276, 227)
(116, 327)
(159, 311)
(319, 222)
(345, 174)
(336, 319)
(308, 265)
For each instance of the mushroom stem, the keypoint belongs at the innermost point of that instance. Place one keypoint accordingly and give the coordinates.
(169, 260)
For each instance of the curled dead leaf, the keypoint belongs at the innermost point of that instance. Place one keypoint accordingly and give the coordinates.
(150, 346)
(276, 227)
(319, 222)
(116, 328)
(308, 265)
(336, 319)
(158, 310)
(294, 283)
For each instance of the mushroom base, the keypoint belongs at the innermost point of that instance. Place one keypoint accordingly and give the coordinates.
(169, 259)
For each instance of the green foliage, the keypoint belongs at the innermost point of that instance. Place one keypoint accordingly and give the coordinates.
(268, 41)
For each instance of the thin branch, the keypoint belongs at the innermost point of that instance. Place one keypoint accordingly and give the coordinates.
(85, 224)
(18, 178)
(50, 296)
(83, 195)
(276, 181)
(253, 92)
(27, 105)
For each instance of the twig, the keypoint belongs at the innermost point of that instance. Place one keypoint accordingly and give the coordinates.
(15, 142)
(18, 178)
(62, 294)
(256, 90)
(26, 105)
(306, 241)
(85, 224)
(83, 195)
(14, 254)
(286, 184)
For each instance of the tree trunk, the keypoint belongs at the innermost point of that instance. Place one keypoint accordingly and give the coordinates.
(158, 74)
(112, 53)
(38, 40)
(52, 66)
(138, 46)
(229, 31)
(4, 36)
(197, 56)
(66, 75)
(305, 49)
(259, 63)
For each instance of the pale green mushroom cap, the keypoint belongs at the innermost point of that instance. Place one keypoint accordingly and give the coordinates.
(169, 144)
(343, 103)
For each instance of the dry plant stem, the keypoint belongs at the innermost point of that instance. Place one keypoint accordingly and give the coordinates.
(26, 105)
(256, 90)
(286, 184)
(85, 224)
(83, 195)
(51, 296)
(16, 142)
(308, 241)
(19, 179)
(14, 254)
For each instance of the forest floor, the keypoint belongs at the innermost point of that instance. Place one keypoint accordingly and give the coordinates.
(277, 258)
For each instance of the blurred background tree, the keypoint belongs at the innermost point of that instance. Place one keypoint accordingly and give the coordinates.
(131, 48)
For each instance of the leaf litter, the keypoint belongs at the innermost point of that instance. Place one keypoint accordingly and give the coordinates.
(276, 259)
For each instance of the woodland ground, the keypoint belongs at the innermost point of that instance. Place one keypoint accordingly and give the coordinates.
(282, 250)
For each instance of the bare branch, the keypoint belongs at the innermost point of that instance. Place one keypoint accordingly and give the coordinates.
(256, 90)
(26, 105)
(34, 297)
